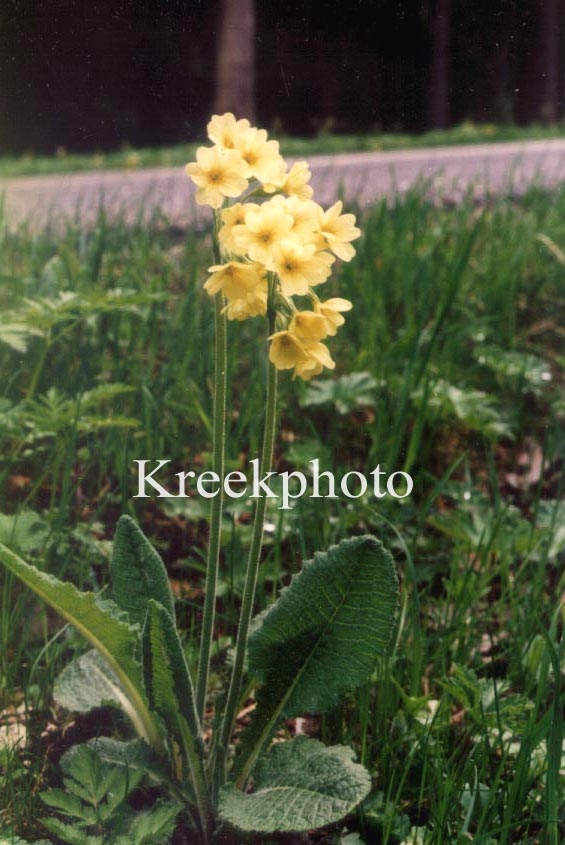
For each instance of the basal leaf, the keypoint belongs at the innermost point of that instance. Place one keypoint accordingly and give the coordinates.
(138, 573)
(88, 682)
(299, 785)
(167, 679)
(171, 694)
(101, 624)
(328, 628)
(23, 532)
(323, 636)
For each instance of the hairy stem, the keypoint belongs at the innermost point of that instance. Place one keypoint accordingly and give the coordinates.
(234, 691)
(218, 460)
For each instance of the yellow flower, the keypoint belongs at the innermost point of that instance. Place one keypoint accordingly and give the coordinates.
(306, 215)
(262, 230)
(235, 279)
(296, 182)
(217, 174)
(308, 357)
(262, 158)
(330, 311)
(318, 358)
(338, 230)
(253, 304)
(299, 266)
(223, 129)
(286, 350)
(233, 216)
(308, 325)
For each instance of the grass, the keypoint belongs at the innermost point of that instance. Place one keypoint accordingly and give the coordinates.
(450, 366)
(327, 142)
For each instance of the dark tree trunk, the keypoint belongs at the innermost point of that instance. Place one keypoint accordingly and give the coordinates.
(235, 76)
(438, 84)
(550, 24)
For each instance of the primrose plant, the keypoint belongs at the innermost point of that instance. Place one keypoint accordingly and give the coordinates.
(273, 248)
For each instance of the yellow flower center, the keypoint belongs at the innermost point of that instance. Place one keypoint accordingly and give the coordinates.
(215, 175)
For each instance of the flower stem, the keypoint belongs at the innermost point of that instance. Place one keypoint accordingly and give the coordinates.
(234, 691)
(218, 460)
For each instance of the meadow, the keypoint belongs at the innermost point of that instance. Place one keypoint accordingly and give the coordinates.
(450, 367)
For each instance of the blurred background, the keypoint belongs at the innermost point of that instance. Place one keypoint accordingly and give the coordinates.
(88, 75)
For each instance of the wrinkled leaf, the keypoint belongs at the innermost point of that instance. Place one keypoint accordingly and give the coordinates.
(23, 531)
(299, 785)
(171, 694)
(167, 678)
(324, 634)
(89, 682)
(132, 755)
(138, 573)
(102, 624)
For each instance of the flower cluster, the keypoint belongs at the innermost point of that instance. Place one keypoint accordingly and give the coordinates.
(273, 250)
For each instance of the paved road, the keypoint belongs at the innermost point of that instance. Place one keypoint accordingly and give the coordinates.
(362, 177)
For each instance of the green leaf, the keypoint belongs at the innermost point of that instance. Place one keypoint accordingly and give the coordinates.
(154, 826)
(475, 409)
(102, 624)
(101, 786)
(12, 839)
(23, 532)
(70, 834)
(171, 693)
(346, 393)
(99, 778)
(89, 682)
(533, 372)
(551, 518)
(17, 335)
(71, 805)
(299, 785)
(132, 755)
(379, 814)
(53, 412)
(167, 678)
(138, 573)
(323, 636)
